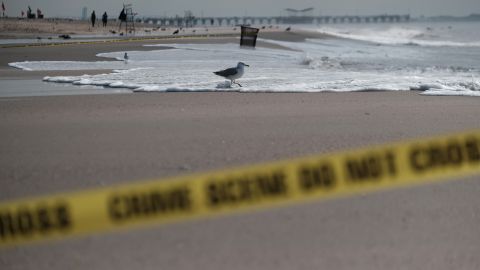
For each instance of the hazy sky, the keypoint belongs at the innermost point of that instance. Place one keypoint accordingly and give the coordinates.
(73, 8)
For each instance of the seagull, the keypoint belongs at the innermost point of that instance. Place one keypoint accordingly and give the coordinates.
(232, 73)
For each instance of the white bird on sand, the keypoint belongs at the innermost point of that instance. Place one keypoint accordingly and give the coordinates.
(232, 73)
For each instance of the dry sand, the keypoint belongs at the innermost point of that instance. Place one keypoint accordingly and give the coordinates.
(16, 27)
(51, 144)
(12, 28)
(21, 27)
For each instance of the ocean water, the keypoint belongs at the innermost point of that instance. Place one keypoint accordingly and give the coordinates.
(435, 58)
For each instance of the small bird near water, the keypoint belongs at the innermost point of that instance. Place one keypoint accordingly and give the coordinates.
(125, 57)
(232, 73)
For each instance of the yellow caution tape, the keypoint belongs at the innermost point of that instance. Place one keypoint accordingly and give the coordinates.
(239, 190)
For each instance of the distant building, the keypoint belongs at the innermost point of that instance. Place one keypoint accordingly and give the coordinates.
(84, 13)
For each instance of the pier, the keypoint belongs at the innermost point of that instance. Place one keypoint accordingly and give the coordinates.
(233, 21)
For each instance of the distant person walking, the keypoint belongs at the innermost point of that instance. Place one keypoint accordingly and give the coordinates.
(122, 18)
(93, 18)
(104, 19)
(39, 14)
(30, 15)
(3, 9)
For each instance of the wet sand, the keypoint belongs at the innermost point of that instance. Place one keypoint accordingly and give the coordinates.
(62, 143)
(88, 52)
(18, 82)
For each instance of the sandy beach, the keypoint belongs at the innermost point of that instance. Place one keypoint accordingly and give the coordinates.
(61, 143)
(23, 28)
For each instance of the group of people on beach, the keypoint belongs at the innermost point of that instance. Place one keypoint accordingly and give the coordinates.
(122, 18)
(30, 14)
(93, 19)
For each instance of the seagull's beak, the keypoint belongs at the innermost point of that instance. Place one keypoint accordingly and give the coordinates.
(246, 65)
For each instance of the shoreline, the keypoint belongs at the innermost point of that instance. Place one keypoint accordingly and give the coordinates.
(88, 51)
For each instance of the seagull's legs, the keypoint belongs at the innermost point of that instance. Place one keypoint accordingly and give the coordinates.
(233, 81)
